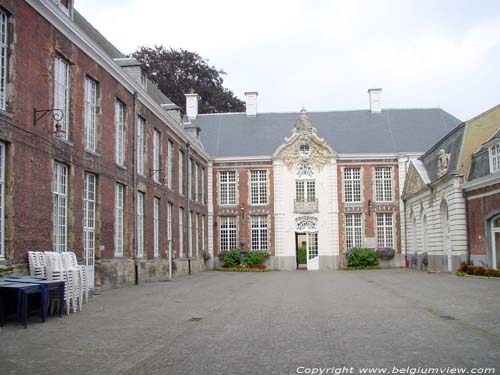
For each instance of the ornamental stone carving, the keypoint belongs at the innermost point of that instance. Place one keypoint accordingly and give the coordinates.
(305, 170)
(443, 162)
(306, 224)
(304, 133)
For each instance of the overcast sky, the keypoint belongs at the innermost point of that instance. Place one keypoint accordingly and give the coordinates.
(325, 54)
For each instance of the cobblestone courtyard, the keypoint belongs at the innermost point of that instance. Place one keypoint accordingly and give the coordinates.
(268, 323)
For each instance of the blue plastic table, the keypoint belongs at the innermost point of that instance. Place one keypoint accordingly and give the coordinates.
(47, 287)
(23, 291)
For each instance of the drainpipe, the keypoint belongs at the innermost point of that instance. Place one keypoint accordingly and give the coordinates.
(467, 225)
(188, 150)
(406, 235)
(134, 186)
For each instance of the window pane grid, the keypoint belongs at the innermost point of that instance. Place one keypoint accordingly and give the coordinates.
(141, 125)
(140, 224)
(181, 172)
(352, 184)
(156, 155)
(3, 58)
(90, 113)
(227, 187)
(89, 201)
(258, 187)
(181, 232)
(305, 190)
(119, 207)
(60, 175)
(383, 184)
(120, 132)
(170, 168)
(170, 228)
(61, 91)
(227, 233)
(353, 231)
(259, 233)
(156, 227)
(384, 230)
(312, 244)
(2, 200)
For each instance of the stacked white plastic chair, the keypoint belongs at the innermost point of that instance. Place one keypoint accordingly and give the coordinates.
(84, 286)
(36, 261)
(72, 267)
(56, 271)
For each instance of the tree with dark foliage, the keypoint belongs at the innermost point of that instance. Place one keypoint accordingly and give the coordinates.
(182, 72)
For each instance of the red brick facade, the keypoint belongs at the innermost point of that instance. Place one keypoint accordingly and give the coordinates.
(31, 151)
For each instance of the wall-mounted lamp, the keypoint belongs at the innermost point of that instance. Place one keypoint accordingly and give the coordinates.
(57, 114)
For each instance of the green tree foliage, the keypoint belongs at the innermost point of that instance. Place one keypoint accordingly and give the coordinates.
(179, 72)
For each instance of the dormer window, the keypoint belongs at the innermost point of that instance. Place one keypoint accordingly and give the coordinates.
(304, 150)
(143, 80)
(495, 158)
(66, 6)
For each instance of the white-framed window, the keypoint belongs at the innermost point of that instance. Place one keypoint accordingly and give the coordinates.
(89, 209)
(61, 91)
(170, 226)
(190, 179)
(353, 230)
(196, 182)
(156, 227)
(170, 166)
(352, 184)
(197, 234)
(156, 156)
(227, 233)
(258, 186)
(304, 149)
(259, 232)
(203, 245)
(190, 233)
(495, 158)
(181, 232)
(141, 127)
(2, 200)
(90, 114)
(305, 190)
(60, 207)
(3, 58)
(383, 184)
(140, 224)
(202, 196)
(181, 172)
(385, 232)
(227, 187)
(312, 245)
(119, 215)
(120, 132)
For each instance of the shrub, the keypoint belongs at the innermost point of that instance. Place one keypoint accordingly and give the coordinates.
(230, 258)
(362, 257)
(302, 255)
(462, 267)
(385, 253)
(492, 273)
(255, 257)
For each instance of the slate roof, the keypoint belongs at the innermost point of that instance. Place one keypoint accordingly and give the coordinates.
(420, 168)
(391, 131)
(480, 165)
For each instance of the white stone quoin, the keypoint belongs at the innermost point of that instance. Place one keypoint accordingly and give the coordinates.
(375, 101)
(192, 105)
(251, 103)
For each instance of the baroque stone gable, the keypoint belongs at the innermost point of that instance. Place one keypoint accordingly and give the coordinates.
(414, 182)
(304, 146)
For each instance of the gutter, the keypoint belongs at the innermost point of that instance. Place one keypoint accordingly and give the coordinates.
(134, 186)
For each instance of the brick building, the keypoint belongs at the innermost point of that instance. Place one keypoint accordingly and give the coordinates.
(331, 179)
(110, 172)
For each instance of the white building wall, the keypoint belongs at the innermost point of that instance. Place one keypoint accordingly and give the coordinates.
(429, 202)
